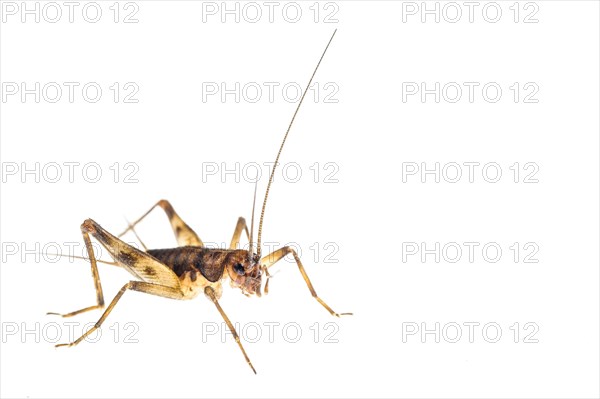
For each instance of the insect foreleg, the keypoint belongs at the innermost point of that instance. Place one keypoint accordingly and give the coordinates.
(277, 255)
(148, 288)
(210, 293)
(239, 227)
(183, 233)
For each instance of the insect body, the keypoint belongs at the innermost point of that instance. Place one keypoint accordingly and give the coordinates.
(191, 268)
(197, 267)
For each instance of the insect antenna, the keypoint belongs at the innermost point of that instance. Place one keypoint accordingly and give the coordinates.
(262, 212)
(251, 250)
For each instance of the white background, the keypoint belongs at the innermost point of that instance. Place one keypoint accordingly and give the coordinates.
(368, 214)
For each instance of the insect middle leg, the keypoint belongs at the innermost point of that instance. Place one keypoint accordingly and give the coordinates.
(210, 293)
(183, 233)
(277, 255)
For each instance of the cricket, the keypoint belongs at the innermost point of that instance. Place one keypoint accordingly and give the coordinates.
(190, 268)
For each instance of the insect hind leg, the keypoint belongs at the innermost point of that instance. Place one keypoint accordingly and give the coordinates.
(141, 286)
(138, 263)
(183, 233)
(95, 275)
(277, 255)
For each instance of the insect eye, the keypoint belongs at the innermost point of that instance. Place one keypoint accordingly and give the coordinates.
(239, 268)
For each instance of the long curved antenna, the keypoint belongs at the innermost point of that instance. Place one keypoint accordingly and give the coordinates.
(262, 212)
(250, 250)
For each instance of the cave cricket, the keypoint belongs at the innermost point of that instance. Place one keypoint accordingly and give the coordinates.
(185, 271)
